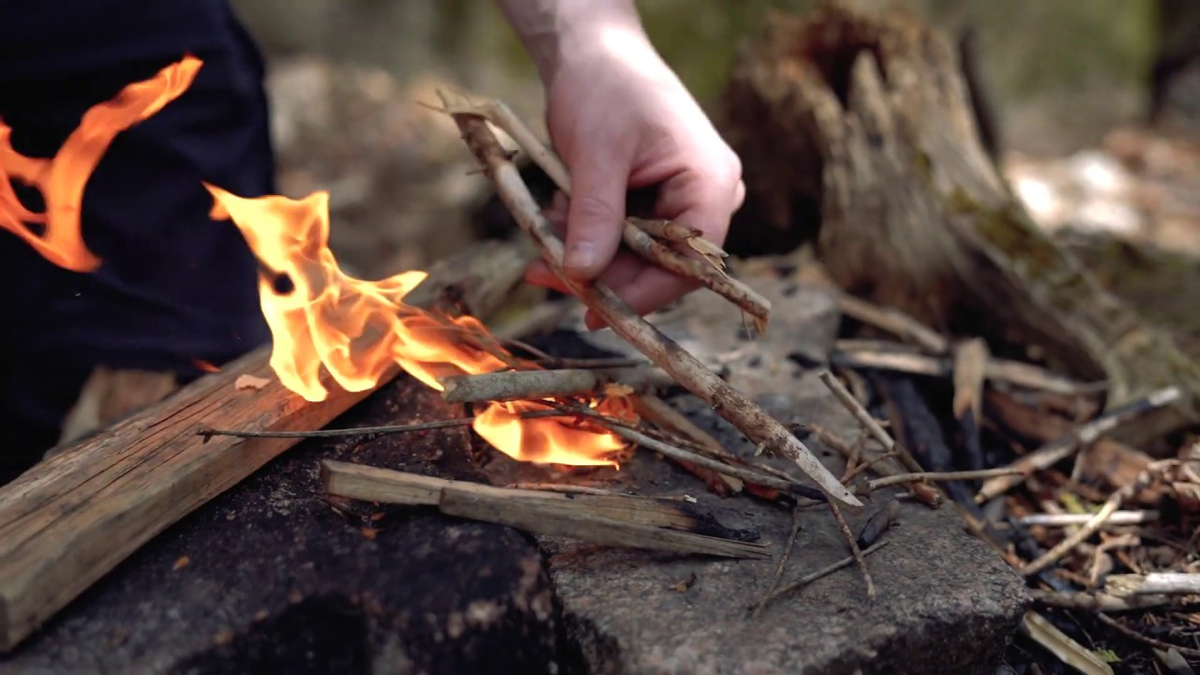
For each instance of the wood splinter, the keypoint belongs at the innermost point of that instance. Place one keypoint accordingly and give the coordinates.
(686, 369)
(615, 520)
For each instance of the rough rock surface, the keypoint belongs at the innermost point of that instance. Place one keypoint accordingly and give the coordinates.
(274, 577)
(946, 602)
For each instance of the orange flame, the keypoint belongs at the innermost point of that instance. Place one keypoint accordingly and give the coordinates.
(360, 330)
(61, 180)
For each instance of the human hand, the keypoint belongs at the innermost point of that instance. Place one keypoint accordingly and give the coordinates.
(621, 119)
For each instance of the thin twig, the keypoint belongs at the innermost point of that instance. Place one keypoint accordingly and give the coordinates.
(1146, 639)
(783, 561)
(868, 422)
(939, 476)
(561, 487)
(853, 473)
(1076, 538)
(668, 450)
(823, 572)
(852, 542)
(360, 431)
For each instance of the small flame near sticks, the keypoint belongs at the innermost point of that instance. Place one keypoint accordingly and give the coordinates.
(320, 318)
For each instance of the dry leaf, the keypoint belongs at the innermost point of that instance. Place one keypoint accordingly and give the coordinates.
(250, 382)
(369, 532)
(181, 563)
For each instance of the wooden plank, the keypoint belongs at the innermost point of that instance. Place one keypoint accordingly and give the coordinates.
(617, 520)
(71, 519)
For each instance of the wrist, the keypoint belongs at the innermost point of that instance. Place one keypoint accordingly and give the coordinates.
(559, 32)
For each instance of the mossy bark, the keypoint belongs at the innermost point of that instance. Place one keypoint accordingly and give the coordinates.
(863, 120)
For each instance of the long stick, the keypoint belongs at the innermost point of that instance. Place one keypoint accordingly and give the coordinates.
(689, 371)
(526, 385)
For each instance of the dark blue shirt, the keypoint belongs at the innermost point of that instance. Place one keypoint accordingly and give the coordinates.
(174, 287)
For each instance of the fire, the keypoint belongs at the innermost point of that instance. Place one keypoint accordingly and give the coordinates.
(360, 330)
(61, 180)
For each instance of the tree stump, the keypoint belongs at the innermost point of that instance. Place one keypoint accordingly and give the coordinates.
(857, 131)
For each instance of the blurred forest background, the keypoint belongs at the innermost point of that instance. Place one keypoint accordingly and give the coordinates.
(1070, 82)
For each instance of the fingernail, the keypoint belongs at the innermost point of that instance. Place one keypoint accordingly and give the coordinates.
(580, 256)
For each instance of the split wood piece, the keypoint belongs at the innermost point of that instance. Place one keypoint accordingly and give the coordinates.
(524, 385)
(864, 117)
(685, 368)
(635, 233)
(670, 230)
(68, 521)
(616, 520)
(1155, 583)
(1097, 602)
(475, 281)
(886, 356)
(1039, 629)
(1056, 451)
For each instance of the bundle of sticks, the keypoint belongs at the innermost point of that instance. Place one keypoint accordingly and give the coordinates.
(651, 240)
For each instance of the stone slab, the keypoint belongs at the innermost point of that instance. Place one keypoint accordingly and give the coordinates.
(279, 579)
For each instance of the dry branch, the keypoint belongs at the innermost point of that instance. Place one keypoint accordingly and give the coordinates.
(1056, 451)
(1155, 583)
(685, 368)
(617, 520)
(884, 356)
(525, 385)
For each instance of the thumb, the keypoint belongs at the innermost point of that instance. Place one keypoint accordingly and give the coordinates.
(597, 211)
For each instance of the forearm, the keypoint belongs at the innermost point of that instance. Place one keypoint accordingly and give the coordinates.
(551, 30)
